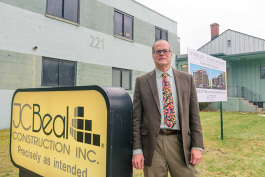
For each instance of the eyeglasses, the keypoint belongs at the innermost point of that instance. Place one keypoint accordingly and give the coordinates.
(158, 52)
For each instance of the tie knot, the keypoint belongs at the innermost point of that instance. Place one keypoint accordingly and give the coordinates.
(165, 74)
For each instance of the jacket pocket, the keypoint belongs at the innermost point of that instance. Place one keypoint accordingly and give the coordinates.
(189, 133)
(144, 132)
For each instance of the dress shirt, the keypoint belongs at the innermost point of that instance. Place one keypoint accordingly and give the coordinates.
(172, 83)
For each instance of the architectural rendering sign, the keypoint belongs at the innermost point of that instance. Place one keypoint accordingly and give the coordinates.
(71, 131)
(209, 74)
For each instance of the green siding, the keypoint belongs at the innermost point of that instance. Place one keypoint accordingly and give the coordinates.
(97, 16)
(262, 84)
(257, 76)
(244, 73)
(38, 6)
(239, 73)
(135, 74)
(144, 33)
(252, 76)
(173, 40)
(19, 70)
(91, 74)
(247, 74)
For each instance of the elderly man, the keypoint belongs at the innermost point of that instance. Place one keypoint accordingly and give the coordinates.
(167, 133)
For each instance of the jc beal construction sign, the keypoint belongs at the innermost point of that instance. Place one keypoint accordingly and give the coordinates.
(61, 132)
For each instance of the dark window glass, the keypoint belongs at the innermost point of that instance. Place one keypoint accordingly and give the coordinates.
(128, 23)
(55, 8)
(116, 77)
(58, 72)
(160, 34)
(123, 25)
(164, 34)
(157, 35)
(262, 72)
(121, 78)
(66, 9)
(118, 19)
(71, 10)
(67, 73)
(50, 72)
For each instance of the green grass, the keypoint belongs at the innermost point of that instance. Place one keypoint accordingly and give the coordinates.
(6, 166)
(241, 153)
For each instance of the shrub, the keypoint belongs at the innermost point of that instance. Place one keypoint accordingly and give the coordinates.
(203, 105)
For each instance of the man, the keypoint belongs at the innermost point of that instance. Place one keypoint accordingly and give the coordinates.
(167, 133)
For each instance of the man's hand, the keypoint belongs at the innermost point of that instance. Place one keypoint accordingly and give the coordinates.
(138, 161)
(196, 156)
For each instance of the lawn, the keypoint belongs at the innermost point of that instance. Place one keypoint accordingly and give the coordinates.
(241, 153)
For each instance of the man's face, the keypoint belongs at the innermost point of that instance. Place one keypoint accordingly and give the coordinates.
(162, 60)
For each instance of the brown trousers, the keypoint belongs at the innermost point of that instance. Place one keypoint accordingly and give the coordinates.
(169, 156)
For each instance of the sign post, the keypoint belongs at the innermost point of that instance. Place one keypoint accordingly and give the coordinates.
(221, 111)
(209, 74)
(72, 131)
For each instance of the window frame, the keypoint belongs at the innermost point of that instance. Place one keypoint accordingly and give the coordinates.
(121, 77)
(262, 68)
(60, 61)
(62, 18)
(123, 36)
(160, 30)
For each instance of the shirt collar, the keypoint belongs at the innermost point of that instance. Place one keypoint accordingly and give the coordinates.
(159, 72)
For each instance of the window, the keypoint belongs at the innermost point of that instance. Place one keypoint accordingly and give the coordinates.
(123, 25)
(58, 72)
(262, 72)
(121, 78)
(160, 34)
(66, 9)
(228, 43)
(184, 68)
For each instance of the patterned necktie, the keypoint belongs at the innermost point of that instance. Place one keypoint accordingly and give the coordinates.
(169, 112)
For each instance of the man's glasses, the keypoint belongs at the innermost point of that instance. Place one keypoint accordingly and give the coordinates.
(158, 52)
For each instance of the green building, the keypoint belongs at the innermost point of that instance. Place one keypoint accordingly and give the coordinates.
(58, 43)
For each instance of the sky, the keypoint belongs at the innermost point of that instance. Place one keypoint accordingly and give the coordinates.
(194, 18)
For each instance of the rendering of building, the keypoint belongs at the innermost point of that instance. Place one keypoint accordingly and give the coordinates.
(219, 81)
(47, 43)
(245, 63)
(201, 78)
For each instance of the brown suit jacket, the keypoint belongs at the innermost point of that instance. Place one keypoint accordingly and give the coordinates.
(147, 116)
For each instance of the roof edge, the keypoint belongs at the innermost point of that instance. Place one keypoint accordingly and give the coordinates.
(154, 11)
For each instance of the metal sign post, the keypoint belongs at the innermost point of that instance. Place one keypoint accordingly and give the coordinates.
(221, 111)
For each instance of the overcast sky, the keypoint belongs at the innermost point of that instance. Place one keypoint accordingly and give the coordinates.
(195, 16)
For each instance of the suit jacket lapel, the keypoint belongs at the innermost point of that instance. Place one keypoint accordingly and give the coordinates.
(153, 88)
(178, 81)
